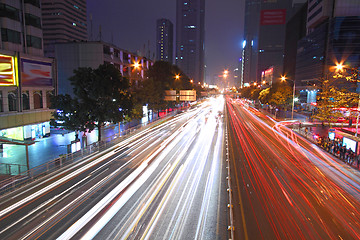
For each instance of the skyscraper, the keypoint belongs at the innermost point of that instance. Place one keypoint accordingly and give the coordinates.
(190, 32)
(164, 40)
(273, 16)
(63, 21)
(250, 44)
(333, 32)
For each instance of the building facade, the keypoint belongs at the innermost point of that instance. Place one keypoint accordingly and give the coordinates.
(264, 38)
(27, 78)
(295, 30)
(273, 17)
(72, 55)
(333, 36)
(63, 21)
(190, 34)
(164, 40)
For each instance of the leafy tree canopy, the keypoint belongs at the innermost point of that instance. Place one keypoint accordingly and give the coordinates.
(101, 95)
(330, 98)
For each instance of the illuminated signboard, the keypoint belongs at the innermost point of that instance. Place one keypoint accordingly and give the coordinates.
(273, 17)
(7, 71)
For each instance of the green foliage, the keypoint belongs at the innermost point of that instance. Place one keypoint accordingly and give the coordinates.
(69, 115)
(264, 95)
(330, 99)
(101, 95)
(278, 94)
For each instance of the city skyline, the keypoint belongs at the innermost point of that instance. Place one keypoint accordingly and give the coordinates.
(223, 28)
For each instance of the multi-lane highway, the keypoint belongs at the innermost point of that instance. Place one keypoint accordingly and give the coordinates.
(166, 182)
(285, 187)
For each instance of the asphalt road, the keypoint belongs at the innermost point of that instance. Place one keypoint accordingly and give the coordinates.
(166, 182)
(285, 187)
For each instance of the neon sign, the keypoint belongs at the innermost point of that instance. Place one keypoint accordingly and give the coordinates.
(7, 71)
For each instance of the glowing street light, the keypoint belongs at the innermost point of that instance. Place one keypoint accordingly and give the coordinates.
(353, 77)
(136, 65)
(191, 80)
(339, 67)
(283, 78)
(177, 76)
(226, 72)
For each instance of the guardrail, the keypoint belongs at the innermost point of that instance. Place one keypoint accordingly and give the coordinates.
(231, 227)
(12, 169)
(26, 177)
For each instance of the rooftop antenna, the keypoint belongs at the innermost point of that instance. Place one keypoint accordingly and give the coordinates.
(91, 27)
(100, 36)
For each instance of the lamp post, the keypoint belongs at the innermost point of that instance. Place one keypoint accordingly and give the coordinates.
(354, 77)
(283, 78)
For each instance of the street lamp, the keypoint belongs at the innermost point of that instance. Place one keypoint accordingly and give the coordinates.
(136, 65)
(283, 78)
(177, 76)
(340, 69)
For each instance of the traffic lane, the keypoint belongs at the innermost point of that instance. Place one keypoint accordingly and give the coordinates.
(289, 179)
(344, 175)
(61, 189)
(161, 209)
(301, 161)
(194, 202)
(61, 209)
(142, 170)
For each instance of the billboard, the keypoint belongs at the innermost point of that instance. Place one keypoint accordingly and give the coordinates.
(170, 95)
(36, 73)
(187, 95)
(7, 71)
(273, 17)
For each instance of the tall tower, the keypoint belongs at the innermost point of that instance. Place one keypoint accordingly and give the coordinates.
(250, 44)
(164, 40)
(63, 21)
(273, 16)
(190, 32)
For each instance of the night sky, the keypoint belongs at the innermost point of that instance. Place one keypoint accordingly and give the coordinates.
(131, 25)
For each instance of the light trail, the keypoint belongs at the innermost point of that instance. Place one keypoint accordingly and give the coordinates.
(283, 177)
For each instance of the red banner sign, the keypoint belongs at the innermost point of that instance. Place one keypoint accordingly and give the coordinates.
(273, 17)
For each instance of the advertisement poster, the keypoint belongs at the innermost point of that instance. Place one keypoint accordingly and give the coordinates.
(35, 73)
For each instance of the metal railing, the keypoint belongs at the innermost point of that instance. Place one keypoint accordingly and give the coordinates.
(12, 169)
(26, 177)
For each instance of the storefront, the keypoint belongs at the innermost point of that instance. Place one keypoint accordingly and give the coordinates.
(28, 132)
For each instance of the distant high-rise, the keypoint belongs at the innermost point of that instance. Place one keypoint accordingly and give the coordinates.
(164, 40)
(63, 21)
(250, 44)
(273, 16)
(333, 33)
(190, 32)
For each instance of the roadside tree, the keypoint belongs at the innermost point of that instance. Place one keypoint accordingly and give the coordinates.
(101, 95)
